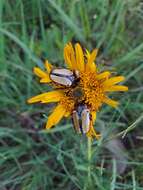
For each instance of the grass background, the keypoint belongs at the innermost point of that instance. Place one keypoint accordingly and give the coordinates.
(33, 159)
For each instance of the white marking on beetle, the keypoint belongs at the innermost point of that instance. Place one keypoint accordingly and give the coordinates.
(61, 80)
(85, 115)
(81, 119)
(64, 72)
(62, 76)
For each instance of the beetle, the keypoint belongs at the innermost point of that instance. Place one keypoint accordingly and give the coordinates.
(81, 118)
(64, 77)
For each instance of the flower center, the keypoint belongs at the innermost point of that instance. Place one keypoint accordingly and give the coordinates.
(77, 93)
(89, 90)
(68, 103)
(93, 92)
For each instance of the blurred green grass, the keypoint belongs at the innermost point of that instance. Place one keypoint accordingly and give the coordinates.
(31, 31)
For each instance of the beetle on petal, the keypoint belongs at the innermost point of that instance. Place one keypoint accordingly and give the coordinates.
(64, 77)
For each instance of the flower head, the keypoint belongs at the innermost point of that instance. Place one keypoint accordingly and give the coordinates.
(90, 88)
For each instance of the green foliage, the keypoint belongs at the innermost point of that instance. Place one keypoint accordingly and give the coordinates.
(34, 159)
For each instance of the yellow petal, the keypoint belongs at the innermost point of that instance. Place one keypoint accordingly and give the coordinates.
(116, 88)
(56, 116)
(39, 72)
(69, 55)
(48, 66)
(45, 80)
(87, 54)
(79, 57)
(67, 114)
(90, 60)
(93, 116)
(72, 54)
(92, 133)
(113, 80)
(103, 75)
(110, 102)
(47, 97)
(43, 75)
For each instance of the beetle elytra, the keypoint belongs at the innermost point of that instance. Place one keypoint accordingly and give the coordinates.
(81, 119)
(64, 77)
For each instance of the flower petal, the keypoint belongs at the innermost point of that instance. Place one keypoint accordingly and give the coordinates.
(90, 60)
(67, 114)
(48, 66)
(45, 80)
(56, 116)
(69, 56)
(116, 88)
(113, 80)
(110, 102)
(79, 57)
(47, 97)
(43, 75)
(103, 75)
(39, 72)
(93, 113)
(92, 133)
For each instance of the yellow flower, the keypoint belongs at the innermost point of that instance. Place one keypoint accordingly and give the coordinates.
(92, 88)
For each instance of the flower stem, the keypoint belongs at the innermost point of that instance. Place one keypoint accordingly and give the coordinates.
(89, 154)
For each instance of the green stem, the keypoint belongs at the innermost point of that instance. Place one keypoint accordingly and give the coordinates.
(89, 154)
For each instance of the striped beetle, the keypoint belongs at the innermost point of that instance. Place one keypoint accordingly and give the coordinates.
(64, 77)
(81, 118)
